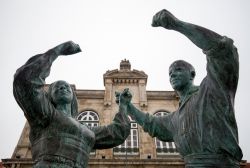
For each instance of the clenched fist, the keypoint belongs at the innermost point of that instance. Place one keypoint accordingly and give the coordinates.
(67, 48)
(164, 19)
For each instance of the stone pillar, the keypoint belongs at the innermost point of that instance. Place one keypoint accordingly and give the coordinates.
(108, 92)
(142, 93)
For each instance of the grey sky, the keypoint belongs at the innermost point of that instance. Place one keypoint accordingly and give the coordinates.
(109, 31)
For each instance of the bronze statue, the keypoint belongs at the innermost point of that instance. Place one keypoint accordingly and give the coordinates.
(57, 138)
(203, 128)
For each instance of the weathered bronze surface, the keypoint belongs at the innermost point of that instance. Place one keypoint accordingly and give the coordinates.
(57, 138)
(204, 127)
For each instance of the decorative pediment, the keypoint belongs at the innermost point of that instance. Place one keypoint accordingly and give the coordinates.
(125, 74)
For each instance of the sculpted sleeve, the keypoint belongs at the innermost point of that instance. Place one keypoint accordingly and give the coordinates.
(223, 65)
(159, 126)
(114, 134)
(28, 88)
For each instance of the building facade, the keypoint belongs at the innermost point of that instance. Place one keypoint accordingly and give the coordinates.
(98, 107)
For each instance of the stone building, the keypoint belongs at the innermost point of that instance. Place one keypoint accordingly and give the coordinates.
(98, 107)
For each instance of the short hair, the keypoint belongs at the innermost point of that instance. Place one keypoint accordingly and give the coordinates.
(184, 64)
(74, 103)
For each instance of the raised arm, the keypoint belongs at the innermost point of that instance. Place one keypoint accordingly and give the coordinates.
(222, 55)
(200, 36)
(117, 132)
(29, 80)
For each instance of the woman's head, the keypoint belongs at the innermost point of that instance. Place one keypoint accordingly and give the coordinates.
(60, 92)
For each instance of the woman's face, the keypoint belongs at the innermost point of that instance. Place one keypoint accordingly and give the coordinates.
(61, 93)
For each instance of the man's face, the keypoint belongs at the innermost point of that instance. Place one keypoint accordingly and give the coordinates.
(179, 77)
(61, 93)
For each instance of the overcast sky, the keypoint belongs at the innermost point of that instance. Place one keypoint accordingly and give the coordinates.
(109, 31)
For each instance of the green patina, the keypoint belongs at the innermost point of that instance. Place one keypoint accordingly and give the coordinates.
(57, 138)
(203, 128)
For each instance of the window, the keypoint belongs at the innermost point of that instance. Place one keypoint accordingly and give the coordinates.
(89, 118)
(164, 148)
(130, 146)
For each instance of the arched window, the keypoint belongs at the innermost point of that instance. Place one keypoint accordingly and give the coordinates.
(164, 148)
(89, 118)
(131, 144)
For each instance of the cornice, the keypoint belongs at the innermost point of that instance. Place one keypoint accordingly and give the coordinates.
(90, 94)
(162, 95)
(125, 76)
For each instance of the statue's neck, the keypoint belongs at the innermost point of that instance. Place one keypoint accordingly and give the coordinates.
(65, 109)
(184, 92)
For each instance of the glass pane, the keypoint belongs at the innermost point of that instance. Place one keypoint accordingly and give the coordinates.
(158, 144)
(134, 132)
(133, 125)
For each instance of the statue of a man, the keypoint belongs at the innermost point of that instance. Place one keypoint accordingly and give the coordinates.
(203, 128)
(57, 139)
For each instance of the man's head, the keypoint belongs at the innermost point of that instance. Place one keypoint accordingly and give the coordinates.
(181, 75)
(60, 92)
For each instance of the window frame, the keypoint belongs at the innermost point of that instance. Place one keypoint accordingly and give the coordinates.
(133, 138)
(163, 148)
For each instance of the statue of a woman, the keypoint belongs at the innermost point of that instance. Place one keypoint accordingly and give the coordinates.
(57, 138)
